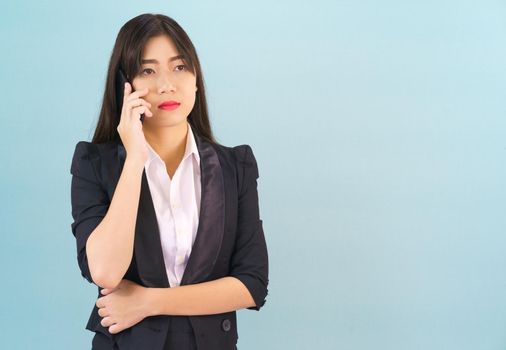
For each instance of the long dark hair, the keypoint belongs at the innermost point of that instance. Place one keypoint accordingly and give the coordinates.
(126, 55)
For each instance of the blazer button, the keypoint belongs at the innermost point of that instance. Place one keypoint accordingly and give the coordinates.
(225, 325)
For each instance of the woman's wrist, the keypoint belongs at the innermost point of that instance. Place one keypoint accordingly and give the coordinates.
(152, 300)
(134, 163)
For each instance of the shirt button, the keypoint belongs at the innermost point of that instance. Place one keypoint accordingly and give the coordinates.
(179, 260)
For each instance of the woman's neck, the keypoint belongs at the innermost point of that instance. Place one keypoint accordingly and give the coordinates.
(168, 142)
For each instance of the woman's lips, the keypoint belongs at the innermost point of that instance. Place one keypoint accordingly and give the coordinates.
(169, 107)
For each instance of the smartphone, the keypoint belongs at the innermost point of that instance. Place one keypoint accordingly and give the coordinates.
(120, 87)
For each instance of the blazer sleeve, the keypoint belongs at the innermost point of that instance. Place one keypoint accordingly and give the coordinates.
(89, 201)
(249, 261)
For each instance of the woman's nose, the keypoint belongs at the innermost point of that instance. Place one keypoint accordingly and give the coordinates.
(165, 84)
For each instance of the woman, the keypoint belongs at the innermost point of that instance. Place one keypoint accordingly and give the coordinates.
(166, 219)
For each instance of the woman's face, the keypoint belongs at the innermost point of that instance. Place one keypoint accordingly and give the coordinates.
(168, 79)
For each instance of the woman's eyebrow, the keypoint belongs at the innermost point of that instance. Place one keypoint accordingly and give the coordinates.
(152, 60)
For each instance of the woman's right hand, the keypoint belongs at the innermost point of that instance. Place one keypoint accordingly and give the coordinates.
(130, 125)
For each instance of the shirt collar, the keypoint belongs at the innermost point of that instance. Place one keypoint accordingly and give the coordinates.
(190, 148)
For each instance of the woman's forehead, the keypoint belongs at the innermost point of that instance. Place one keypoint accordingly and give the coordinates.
(161, 44)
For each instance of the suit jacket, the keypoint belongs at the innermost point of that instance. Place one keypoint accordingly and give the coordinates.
(230, 239)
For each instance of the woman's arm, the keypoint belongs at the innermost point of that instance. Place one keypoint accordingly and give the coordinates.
(109, 247)
(130, 303)
(213, 297)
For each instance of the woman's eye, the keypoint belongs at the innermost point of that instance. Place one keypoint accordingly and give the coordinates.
(147, 69)
(182, 65)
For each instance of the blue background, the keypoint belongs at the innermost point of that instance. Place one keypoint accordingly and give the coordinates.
(380, 133)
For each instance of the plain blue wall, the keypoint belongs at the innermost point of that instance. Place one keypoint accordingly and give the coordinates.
(380, 133)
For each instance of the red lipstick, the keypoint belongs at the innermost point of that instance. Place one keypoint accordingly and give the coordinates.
(169, 105)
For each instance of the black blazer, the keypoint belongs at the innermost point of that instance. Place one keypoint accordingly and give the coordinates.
(230, 239)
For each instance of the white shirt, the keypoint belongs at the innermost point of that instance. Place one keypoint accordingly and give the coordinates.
(177, 206)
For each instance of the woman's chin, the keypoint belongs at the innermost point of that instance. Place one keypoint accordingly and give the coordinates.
(164, 119)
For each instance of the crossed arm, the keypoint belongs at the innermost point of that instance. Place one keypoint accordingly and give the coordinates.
(129, 303)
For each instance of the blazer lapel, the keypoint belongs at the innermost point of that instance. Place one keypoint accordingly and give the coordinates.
(211, 225)
(148, 252)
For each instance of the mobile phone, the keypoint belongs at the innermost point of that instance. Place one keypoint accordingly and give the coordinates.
(120, 87)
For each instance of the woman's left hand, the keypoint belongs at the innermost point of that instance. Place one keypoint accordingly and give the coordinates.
(123, 306)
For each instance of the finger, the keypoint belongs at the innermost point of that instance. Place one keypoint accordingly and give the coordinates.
(137, 102)
(115, 328)
(106, 291)
(103, 312)
(136, 94)
(136, 108)
(100, 302)
(148, 113)
(137, 111)
(107, 321)
(128, 89)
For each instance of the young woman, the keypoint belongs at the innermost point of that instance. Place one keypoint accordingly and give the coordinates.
(166, 219)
